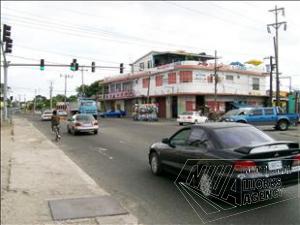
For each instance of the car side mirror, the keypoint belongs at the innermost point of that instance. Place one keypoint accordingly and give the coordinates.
(165, 141)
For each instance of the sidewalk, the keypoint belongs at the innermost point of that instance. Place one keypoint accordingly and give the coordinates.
(33, 171)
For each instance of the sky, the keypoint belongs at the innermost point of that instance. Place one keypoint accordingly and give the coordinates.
(112, 32)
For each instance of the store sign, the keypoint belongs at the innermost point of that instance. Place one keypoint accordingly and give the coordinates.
(200, 76)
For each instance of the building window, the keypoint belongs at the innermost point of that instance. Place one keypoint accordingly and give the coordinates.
(112, 88)
(142, 66)
(159, 81)
(172, 78)
(149, 64)
(145, 82)
(229, 77)
(127, 86)
(255, 84)
(186, 76)
(118, 87)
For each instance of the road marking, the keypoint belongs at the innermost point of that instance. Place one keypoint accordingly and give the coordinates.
(102, 151)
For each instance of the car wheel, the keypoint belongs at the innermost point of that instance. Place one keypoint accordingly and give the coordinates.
(205, 184)
(155, 164)
(95, 131)
(196, 121)
(283, 125)
(180, 124)
(68, 128)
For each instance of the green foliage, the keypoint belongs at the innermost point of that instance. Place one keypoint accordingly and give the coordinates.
(89, 90)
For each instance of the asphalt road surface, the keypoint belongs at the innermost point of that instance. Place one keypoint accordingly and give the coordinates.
(117, 160)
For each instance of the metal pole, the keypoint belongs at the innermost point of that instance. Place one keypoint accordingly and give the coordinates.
(276, 58)
(82, 86)
(34, 103)
(148, 92)
(216, 82)
(65, 90)
(51, 89)
(5, 90)
(271, 82)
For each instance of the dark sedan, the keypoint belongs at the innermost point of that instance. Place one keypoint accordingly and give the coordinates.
(201, 154)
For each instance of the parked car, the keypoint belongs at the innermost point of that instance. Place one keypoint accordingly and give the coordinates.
(247, 150)
(191, 117)
(62, 113)
(80, 123)
(46, 115)
(262, 116)
(116, 113)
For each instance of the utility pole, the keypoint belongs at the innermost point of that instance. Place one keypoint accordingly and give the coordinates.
(34, 103)
(82, 82)
(271, 80)
(148, 92)
(216, 82)
(276, 26)
(66, 76)
(51, 89)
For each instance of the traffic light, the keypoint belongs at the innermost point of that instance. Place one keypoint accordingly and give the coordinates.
(8, 46)
(73, 65)
(6, 32)
(42, 65)
(121, 68)
(93, 67)
(6, 38)
(76, 66)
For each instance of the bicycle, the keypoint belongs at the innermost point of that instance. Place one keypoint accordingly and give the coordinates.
(57, 133)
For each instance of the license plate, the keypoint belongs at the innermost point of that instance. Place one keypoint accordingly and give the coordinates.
(275, 165)
(87, 125)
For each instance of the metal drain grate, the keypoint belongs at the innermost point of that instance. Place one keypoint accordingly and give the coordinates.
(76, 208)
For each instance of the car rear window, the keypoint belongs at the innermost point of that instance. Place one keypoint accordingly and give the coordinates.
(84, 118)
(187, 113)
(234, 137)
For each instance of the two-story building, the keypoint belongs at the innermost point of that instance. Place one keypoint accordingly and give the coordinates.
(179, 81)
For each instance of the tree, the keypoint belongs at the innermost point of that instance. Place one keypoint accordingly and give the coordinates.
(72, 98)
(89, 90)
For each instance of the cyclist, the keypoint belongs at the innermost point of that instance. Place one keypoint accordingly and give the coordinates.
(55, 121)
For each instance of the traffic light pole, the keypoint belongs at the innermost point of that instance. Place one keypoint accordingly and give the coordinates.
(5, 84)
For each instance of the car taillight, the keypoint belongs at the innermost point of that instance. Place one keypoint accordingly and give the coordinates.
(189, 117)
(96, 123)
(244, 166)
(77, 124)
(296, 160)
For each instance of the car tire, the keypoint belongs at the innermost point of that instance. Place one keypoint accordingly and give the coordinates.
(95, 132)
(196, 121)
(69, 131)
(206, 184)
(155, 164)
(180, 124)
(283, 125)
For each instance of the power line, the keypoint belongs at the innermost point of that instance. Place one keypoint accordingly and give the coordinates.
(118, 36)
(242, 26)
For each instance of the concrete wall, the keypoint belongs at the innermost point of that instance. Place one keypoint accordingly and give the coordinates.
(241, 84)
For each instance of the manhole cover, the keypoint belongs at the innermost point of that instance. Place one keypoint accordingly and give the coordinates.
(85, 207)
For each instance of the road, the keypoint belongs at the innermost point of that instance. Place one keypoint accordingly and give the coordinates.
(116, 159)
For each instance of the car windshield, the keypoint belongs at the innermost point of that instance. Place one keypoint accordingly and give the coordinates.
(48, 112)
(234, 137)
(187, 113)
(88, 103)
(236, 112)
(84, 118)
